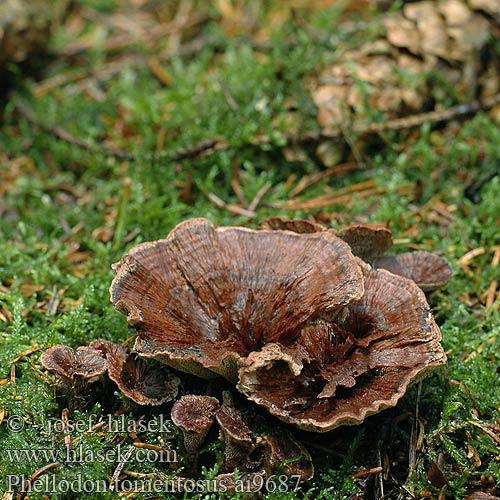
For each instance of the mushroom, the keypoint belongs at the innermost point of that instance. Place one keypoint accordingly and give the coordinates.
(370, 242)
(339, 372)
(236, 435)
(367, 241)
(302, 326)
(426, 269)
(75, 371)
(194, 415)
(83, 364)
(138, 382)
(204, 298)
(296, 225)
(285, 453)
(108, 347)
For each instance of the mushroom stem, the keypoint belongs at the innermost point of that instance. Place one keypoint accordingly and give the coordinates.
(194, 415)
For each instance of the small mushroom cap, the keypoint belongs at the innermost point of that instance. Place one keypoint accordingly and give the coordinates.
(428, 270)
(285, 451)
(237, 437)
(367, 241)
(296, 225)
(108, 347)
(233, 426)
(85, 362)
(339, 372)
(203, 298)
(194, 413)
(481, 495)
(144, 385)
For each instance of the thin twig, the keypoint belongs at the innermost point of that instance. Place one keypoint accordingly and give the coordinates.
(120, 466)
(209, 146)
(230, 207)
(197, 149)
(124, 41)
(380, 476)
(229, 97)
(50, 305)
(412, 453)
(27, 485)
(365, 473)
(65, 136)
(317, 177)
(81, 78)
(491, 434)
(258, 197)
(62, 134)
(405, 122)
(122, 211)
(28, 352)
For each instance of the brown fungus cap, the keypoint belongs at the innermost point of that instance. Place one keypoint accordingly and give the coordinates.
(194, 415)
(106, 347)
(287, 454)
(84, 363)
(367, 241)
(204, 298)
(296, 225)
(426, 269)
(237, 437)
(339, 372)
(140, 383)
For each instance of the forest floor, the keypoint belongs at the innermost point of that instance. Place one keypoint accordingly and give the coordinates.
(138, 122)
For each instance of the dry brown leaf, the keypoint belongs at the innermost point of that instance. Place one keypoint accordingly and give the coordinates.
(436, 477)
(29, 289)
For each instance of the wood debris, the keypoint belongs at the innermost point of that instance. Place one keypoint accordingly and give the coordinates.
(494, 436)
(28, 484)
(465, 259)
(231, 207)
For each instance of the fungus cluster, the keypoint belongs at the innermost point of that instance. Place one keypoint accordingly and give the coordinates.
(305, 321)
(138, 382)
(195, 415)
